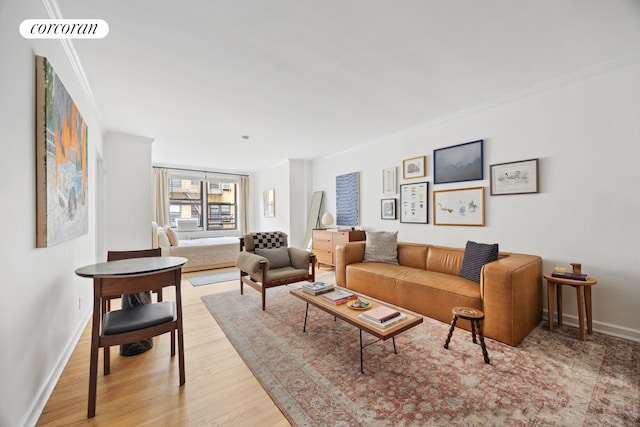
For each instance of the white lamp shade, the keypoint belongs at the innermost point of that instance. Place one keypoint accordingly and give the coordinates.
(327, 219)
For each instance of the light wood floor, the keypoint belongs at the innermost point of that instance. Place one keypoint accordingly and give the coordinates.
(144, 390)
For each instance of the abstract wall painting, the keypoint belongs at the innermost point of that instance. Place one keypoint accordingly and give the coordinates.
(462, 162)
(61, 161)
(348, 199)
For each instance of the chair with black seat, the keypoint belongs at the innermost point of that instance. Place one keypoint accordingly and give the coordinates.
(129, 350)
(118, 327)
(265, 261)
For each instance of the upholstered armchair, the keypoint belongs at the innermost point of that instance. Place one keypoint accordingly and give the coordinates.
(265, 261)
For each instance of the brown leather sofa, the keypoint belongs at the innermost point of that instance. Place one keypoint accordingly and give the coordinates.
(426, 281)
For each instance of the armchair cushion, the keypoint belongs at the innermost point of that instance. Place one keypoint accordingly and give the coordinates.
(274, 239)
(299, 258)
(278, 257)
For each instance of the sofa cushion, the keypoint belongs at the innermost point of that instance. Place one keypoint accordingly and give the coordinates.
(173, 237)
(163, 239)
(278, 257)
(381, 246)
(476, 255)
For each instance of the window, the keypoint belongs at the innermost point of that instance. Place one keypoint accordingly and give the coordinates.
(215, 211)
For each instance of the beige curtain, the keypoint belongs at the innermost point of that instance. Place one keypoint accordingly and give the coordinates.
(243, 218)
(161, 196)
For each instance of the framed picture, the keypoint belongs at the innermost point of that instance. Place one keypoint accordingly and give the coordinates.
(269, 203)
(62, 204)
(462, 162)
(389, 181)
(519, 177)
(348, 199)
(459, 207)
(414, 168)
(388, 209)
(414, 203)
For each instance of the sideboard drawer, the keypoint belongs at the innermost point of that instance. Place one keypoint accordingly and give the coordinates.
(324, 257)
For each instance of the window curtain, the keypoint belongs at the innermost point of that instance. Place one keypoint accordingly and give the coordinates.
(161, 196)
(244, 204)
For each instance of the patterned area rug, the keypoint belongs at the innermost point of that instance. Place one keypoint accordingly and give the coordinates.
(549, 379)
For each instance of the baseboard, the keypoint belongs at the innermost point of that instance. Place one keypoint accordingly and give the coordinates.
(600, 327)
(38, 404)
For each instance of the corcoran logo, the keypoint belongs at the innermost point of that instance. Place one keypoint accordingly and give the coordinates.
(64, 29)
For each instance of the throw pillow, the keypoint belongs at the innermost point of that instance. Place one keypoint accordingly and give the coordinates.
(163, 240)
(173, 237)
(278, 257)
(476, 255)
(381, 246)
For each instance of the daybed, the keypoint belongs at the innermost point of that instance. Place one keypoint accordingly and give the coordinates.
(203, 253)
(426, 281)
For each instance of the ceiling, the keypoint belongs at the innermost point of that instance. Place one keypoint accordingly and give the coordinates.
(303, 78)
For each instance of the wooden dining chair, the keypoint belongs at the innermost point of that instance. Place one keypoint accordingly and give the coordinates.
(124, 326)
(106, 302)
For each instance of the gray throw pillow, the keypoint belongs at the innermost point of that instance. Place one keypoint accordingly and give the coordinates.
(278, 257)
(476, 255)
(381, 246)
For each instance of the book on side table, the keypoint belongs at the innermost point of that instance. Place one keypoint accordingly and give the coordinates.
(317, 288)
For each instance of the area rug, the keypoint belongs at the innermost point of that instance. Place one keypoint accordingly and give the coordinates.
(314, 377)
(216, 277)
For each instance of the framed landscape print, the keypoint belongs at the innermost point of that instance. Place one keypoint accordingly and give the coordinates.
(414, 203)
(459, 207)
(414, 168)
(388, 209)
(62, 211)
(462, 162)
(514, 177)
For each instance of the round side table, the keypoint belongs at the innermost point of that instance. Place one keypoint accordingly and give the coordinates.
(583, 293)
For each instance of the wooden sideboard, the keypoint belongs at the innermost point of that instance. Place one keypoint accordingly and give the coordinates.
(323, 243)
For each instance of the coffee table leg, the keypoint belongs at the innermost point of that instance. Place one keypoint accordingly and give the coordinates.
(394, 345)
(361, 357)
(306, 311)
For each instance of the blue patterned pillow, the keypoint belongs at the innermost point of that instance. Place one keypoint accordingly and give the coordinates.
(477, 255)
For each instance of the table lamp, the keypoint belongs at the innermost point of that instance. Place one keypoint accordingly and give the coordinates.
(327, 219)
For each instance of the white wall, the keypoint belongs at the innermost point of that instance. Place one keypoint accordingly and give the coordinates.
(45, 306)
(585, 133)
(292, 184)
(129, 192)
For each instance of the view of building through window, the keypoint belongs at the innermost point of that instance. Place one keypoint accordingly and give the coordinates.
(215, 210)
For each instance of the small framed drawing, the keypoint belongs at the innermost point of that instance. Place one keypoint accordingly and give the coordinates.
(414, 168)
(269, 203)
(519, 177)
(462, 162)
(389, 181)
(388, 209)
(459, 207)
(414, 203)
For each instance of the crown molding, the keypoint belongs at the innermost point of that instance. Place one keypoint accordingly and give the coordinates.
(53, 11)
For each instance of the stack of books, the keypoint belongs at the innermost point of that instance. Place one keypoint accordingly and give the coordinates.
(340, 296)
(317, 288)
(382, 316)
(571, 276)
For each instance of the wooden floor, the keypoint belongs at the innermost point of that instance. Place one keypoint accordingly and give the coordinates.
(144, 390)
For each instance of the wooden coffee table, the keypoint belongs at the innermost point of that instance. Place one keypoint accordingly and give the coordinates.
(350, 316)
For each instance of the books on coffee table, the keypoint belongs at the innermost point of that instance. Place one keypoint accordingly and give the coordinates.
(386, 323)
(381, 314)
(317, 288)
(340, 296)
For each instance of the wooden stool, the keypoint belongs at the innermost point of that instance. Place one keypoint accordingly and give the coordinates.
(474, 316)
